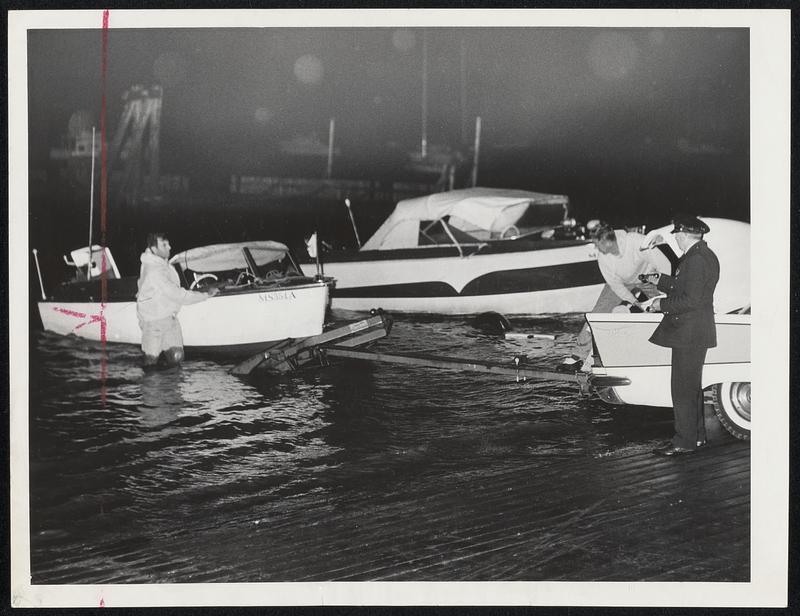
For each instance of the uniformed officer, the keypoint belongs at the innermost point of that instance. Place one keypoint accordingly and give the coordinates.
(688, 329)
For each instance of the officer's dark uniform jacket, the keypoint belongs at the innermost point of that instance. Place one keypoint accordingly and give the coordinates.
(689, 306)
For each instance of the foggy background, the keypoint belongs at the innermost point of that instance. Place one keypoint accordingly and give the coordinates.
(632, 124)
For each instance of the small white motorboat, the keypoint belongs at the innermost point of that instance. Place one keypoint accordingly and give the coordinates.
(470, 251)
(628, 369)
(264, 297)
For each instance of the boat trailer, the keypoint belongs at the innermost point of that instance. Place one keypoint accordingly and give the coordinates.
(344, 342)
(291, 355)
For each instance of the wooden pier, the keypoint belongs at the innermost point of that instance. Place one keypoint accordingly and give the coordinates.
(623, 516)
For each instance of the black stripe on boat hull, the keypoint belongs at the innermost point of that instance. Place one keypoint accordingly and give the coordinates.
(549, 278)
(526, 280)
(411, 289)
(437, 252)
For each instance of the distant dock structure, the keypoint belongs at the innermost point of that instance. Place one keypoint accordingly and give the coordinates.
(135, 155)
(134, 152)
(334, 189)
(136, 176)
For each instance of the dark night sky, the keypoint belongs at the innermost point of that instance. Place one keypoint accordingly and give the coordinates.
(611, 117)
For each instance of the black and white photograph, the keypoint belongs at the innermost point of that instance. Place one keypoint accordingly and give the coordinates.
(399, 307)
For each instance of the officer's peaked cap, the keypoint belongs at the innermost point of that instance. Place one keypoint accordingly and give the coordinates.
(689, 224)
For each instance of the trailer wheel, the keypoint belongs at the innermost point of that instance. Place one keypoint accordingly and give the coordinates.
(731, 403)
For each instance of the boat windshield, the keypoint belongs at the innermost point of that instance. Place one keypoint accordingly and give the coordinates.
(240, 263)
(222, 257)
(438, 232)
(541, 217)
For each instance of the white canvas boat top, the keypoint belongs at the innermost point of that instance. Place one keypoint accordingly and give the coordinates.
(222, 257)
(490, 209)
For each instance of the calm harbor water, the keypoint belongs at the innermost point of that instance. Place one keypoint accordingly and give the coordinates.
(134, 477)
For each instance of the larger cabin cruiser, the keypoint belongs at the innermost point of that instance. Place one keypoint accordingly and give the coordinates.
(470, 251)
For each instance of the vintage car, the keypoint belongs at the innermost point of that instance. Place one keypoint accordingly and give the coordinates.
(628, 369)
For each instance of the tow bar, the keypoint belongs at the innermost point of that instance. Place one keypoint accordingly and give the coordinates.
(343, 342)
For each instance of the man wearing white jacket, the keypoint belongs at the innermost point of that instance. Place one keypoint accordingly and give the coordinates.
(158, 300)
(621, 258)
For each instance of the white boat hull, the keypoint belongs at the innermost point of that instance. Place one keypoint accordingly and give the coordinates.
(624, 350)
(514, 283)
(225, 322)
(576, 299)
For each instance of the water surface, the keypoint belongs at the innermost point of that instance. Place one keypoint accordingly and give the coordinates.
(133, 475)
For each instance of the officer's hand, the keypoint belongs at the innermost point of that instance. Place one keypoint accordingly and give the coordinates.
(655, 306)
(212, 291)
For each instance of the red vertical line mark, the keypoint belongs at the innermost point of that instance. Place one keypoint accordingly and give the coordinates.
(103, 202)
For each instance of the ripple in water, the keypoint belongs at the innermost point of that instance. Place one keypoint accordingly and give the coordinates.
(125, 471)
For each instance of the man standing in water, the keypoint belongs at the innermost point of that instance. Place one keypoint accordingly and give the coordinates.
(688, 328)
(158, 300)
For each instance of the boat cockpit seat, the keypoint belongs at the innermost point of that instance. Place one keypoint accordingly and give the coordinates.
(101, 259)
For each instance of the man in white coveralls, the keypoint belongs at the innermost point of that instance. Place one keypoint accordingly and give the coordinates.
(158, 300)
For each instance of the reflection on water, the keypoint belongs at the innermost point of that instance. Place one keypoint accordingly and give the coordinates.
(128, 471)
(162, 400)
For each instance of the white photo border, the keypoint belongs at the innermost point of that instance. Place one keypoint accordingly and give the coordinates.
(770, 220)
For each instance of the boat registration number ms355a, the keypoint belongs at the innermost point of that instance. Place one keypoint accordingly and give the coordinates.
(274, 296)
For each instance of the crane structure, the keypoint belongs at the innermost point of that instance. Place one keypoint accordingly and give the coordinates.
(134, 152)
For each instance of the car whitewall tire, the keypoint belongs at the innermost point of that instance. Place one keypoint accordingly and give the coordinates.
(732, 407)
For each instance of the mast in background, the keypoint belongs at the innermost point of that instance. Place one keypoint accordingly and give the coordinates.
(424, 144)
(331, 133)
(91, 211)
(463, 89)
(477, 151)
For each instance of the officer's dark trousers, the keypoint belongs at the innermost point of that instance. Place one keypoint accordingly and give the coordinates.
(687, 396)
